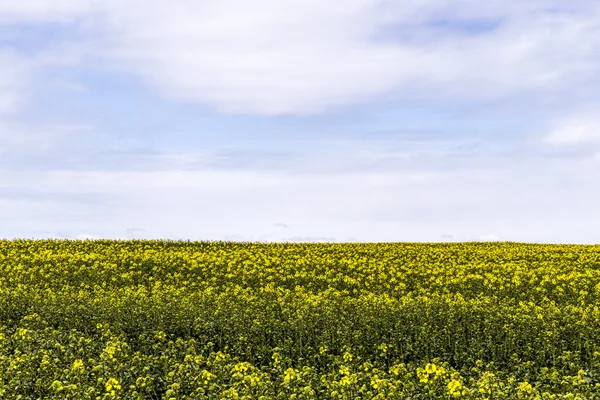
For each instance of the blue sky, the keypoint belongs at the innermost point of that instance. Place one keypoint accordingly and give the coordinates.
(367, 120)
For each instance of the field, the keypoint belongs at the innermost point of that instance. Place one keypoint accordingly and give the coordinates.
(214, 320)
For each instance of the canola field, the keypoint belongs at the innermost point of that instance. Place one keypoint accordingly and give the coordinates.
(214, 320)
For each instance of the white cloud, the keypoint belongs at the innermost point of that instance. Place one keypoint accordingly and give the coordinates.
(540, 201)
(489, 237)
(45, 10)
(304, 57)
(576, 128)
(85, 236)
(14, 79)
(276, 57)
(20, 139)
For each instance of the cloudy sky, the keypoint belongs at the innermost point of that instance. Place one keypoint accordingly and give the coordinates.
(359, 120)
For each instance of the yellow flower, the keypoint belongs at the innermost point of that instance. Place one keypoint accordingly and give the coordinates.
(111, 385)
(289, 375)
(57, 385)
(430, 368)
(454, 387)
(525, 387)
(77, 365)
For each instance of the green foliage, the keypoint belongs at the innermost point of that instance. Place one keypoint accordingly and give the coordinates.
(215, 320)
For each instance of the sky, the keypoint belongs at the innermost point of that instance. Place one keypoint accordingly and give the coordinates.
(289, 120)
